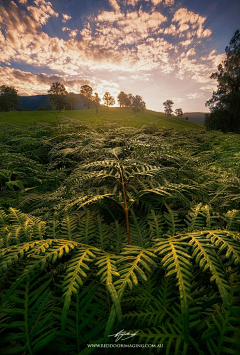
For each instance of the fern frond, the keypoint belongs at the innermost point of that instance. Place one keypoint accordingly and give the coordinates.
(139, 232)
(44, 252)
(172, 221)
(11, 255)
(68, 227)
(117, 237)
(106, 264)
(225, 244)
(86, 227)
(175, 259)
(223, 325)
(169, 336)
(156, 224)
(233, 219)
(102, 235)
(207, 259)
(73, 280)
(84, 323)
(132, 266)
(35, 329)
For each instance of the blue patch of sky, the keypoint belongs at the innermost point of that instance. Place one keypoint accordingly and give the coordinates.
(29, 68)
(78, 10)
(222, 18)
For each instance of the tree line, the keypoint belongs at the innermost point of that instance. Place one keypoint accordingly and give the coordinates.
(168, 109)
(59, 98)
(8, 98)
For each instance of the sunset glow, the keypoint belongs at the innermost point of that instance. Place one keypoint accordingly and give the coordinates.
(159, 49)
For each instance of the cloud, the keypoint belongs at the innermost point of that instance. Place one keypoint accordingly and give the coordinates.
(18, 19)
(114, 5)
(217, 59)
(109, 16)
(186, 43)
(177, 100)
(186, 18)
(41, 11)
(166, 2)
(38, 83)
(184, 27)
(156, 2)
(118, 30)
(189, 66)
(73, 33)
(65, 18)
(209, 87)
(156, 54)
(191, 52)
(132, 2)
(196, 95)
(142, 77)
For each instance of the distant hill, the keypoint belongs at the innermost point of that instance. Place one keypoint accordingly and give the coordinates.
(41, 102)
(33, 102)
(195, 116)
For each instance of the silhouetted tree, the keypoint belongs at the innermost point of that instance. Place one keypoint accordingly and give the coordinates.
(179, 112)
(168, 107)
(86, 92)
(123, 99)
(57, 96)
(96, 101)
(8, 98)
(138, 105)
(71, 100)
(225, 102)
(129, 100)
(108, 99)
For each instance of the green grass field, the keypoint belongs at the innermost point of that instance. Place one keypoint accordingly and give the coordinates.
(113, 116)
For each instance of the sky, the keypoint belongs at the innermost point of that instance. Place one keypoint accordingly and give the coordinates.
(159, 49)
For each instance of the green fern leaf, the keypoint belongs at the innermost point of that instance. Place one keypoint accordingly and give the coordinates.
(176, 261)
(73, 280)
(106, 264)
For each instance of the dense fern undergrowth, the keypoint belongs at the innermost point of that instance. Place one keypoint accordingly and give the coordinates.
(112, 229)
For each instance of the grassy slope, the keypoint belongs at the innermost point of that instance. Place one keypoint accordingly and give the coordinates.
(116, 116)
(195, 116)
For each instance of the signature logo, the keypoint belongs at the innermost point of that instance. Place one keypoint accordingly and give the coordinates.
(122, 335)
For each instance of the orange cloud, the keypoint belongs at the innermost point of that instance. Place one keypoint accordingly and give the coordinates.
(38, 83)
(42, 11)
(166, 2)
(186, 18)
(65, 18)
(114, 5)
